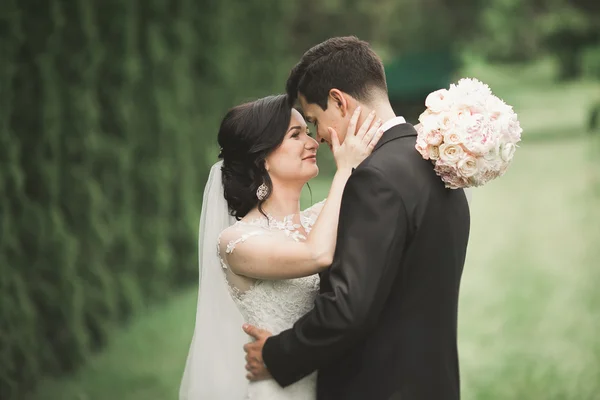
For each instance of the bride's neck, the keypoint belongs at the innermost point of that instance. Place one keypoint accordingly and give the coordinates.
(283, 201)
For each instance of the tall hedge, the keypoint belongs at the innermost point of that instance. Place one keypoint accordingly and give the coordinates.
(108, 120)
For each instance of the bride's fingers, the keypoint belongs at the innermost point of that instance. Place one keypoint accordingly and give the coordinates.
(375, 139)
(364, 128)
(353, 122)
(335, 140)
(368, 137)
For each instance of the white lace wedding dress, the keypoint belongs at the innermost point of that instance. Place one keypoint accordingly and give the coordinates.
(274, 305)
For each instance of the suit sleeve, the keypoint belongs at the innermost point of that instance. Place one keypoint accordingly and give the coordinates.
(370, 245)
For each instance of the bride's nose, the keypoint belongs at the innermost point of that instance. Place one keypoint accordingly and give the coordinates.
(311, 144)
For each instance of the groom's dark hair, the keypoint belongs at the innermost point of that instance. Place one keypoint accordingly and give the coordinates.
(344, 63)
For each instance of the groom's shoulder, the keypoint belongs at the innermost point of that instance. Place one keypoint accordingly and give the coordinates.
(397, 156)
(399, 163)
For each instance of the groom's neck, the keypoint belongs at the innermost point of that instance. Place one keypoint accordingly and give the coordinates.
(382, 108)
(380, 103)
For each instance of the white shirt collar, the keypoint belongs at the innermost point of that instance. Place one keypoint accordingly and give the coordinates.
(390, 123)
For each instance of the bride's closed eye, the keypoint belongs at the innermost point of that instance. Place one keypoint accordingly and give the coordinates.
(297, 133)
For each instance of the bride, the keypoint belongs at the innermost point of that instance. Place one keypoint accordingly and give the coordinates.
(259, 254)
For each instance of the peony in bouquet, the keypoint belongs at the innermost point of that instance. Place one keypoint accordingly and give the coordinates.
(469, 134)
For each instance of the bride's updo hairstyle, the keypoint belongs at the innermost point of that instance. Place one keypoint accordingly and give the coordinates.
(248, 134)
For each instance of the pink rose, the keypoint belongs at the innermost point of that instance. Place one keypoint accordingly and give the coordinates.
(450, 176)
(422, 147)
(434, 138)
(480, 141)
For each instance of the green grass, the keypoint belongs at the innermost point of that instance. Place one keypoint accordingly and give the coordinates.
(528, 310)
(545, 108)
(528, 324)
(144, 361)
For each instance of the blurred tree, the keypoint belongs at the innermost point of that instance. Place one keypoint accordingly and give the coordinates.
(107, 128)
(515, 30)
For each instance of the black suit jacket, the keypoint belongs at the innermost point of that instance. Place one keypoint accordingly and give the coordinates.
(384, 324)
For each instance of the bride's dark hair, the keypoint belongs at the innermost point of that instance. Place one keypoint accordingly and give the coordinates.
(248, 134)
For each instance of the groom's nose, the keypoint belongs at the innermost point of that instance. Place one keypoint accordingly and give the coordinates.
(320, 139)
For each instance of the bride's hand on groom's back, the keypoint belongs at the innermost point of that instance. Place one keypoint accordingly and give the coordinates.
(358, 143)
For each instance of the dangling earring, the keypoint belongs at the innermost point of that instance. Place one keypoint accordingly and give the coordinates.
(262, 191)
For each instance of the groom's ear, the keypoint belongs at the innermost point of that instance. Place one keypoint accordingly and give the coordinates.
(340, 101)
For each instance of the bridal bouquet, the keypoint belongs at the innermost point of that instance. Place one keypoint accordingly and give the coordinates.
(469, 134)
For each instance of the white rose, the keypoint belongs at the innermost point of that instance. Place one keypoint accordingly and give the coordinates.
(438, 101)
(467, 166)
(492, 159)
(451, 137)
(434, 153)
(507, 151)
(451, 153)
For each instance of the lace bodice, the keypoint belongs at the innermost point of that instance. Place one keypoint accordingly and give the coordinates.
(273, 305)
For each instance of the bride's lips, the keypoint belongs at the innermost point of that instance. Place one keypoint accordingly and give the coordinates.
(311, 158)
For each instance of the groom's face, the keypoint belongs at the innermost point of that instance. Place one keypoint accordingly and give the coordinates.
(332, 117)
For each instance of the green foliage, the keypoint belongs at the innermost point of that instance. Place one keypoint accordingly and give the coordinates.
(107, 127)
(508, 31)
(591, 62)
(515, 31)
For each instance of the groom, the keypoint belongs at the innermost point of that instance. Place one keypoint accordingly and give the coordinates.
(384, 324)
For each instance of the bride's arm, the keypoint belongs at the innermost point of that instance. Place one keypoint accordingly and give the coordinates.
(266, 256)
(273, 257)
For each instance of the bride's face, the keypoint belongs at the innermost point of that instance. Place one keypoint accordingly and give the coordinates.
(296, 158)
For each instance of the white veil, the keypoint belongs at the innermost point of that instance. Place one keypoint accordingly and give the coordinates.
(215, 368)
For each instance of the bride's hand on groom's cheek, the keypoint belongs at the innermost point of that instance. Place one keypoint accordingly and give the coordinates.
(358, 143)
(257, 370)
